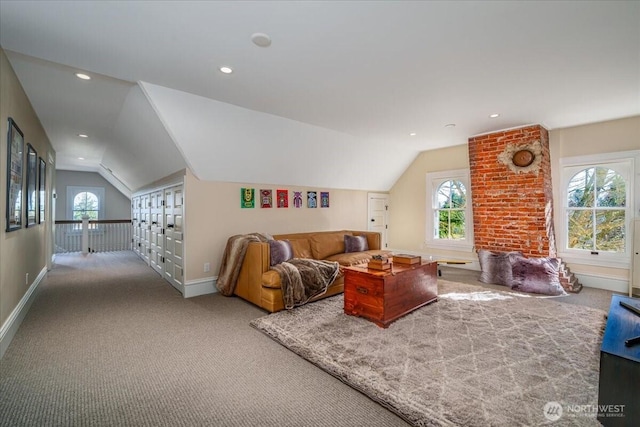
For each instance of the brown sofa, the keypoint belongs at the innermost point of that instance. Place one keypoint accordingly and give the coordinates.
(259, 284)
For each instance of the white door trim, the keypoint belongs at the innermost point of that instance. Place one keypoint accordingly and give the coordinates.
(385, 225)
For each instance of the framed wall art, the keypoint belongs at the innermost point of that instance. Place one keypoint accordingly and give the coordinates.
(32, 182)
(15, 148)
(312, 201)
(266, 198)
(324, 199)
(297, 199)
(247, 198)
(283, 198)
(42, 176)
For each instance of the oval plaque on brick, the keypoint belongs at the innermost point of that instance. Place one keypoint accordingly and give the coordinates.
(523, 158)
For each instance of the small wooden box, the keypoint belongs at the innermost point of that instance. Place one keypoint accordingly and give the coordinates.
(407, 259)
(379, 265)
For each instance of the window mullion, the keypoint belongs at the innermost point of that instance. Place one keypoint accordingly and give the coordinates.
(594, 231)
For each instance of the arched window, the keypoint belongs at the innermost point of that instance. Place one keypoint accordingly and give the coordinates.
(86, 203)
(449, 213)
(596, 210)
(598, 200)
(85, 200)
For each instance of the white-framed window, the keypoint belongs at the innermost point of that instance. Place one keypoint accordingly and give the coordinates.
(449, 214)
(85, 200)
(598, 208)
(86, 203)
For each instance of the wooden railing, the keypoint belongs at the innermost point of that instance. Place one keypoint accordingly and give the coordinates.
(93, 236)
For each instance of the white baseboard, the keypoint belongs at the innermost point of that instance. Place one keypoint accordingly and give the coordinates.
(602, 282)
(472, 265)
(194, 288)
(589, 280)
(10, 327)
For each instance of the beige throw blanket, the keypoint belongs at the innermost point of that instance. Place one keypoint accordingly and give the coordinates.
(303, 279)
(232, 260)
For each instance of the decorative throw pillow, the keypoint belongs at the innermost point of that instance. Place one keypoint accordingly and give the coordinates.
(280, 251)
(537, 275)
(496, 267)
(355, 243)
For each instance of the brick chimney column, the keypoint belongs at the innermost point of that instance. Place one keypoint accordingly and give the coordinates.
(511, 191)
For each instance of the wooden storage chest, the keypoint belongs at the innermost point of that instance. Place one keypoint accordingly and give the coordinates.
(384, 296)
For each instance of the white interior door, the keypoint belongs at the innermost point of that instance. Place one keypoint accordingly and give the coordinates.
(173, 234)
(135, 224)
(379, 215)
(156, 239)
(145, 227)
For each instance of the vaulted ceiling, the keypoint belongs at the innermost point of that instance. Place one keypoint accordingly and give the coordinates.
(334, 98)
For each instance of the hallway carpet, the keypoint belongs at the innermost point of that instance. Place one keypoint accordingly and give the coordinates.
(107, 342)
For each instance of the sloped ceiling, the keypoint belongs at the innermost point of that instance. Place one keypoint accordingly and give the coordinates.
(141, 151)
(331, 102)
(128, 145)
(223, 142)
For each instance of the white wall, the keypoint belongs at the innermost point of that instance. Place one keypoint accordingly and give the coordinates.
(117, 205)
(408, 195)
(24, 252)
(593, 139)
(407, 212)
(213, 214)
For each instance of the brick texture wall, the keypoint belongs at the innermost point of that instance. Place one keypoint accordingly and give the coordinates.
(512, 206)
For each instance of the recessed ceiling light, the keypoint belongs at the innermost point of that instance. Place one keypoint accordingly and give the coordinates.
(412, 134)
(494, 115)
(83, 76)
(261, 39)
(226, 70)
(82, 135)
(450, 125)
(80, 158)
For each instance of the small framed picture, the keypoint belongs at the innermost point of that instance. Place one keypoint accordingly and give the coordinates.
(247, 198)
(324, 199)
(15, 159)
(312, 199)
(297, 199)
(282, 198)
(32, 182)
(42, 176)
(266, 198)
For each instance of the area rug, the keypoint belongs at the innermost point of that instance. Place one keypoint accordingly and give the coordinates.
(473, 358)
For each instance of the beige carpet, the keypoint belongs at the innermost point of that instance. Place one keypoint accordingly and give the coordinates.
(476, 357)
(109, 343)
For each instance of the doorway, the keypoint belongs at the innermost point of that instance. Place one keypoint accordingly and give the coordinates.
(378, 219)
